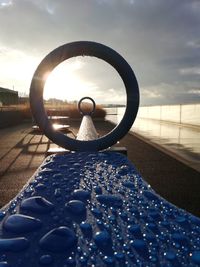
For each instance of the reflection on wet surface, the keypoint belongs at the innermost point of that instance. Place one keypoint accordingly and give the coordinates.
(182, 140)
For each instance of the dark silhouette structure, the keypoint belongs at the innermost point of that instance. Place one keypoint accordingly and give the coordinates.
(8, 97)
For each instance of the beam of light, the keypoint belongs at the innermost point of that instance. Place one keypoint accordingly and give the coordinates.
(63, 83)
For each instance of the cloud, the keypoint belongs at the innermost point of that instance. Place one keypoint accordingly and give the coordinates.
(159, 39)
(167, 94)
(190, 71)
(16, 68)
(151, 92)
(194, 43)
(79, 78)
(5, 3)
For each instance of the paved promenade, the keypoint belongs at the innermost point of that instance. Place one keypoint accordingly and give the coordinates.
(22, 151)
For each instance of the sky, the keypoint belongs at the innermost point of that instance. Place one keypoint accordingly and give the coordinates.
(160, 39)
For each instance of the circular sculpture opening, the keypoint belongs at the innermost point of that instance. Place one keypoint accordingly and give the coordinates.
(84, 48)
(82, 111)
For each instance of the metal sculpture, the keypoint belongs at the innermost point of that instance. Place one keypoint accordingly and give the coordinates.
(84, 48)
(87, 129)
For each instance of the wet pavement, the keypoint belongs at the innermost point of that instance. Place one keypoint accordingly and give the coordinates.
(180, 141)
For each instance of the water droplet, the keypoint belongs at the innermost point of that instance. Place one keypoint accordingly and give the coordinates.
(141, 247)
(119, 256)
(13, 244)
(182, 221)
(196, 257)
(109, 260)
(112, 218)
(71, 262)
(2, 214)
(97, 213)
(3, 257)
(131, 257)
(76, 207)
(126, 247)
(153, 227)
(93, 260)
(153, 258)
(135, 230)
(98, 190)
(170, 255)
(76, 164)
(93, 247)
(60, 239)
(100, 224)
(165, 224)
(195, 220)
(86, 228)
(81, 194)
(120, 239)
(151, 238)
(40, 187)
(123, 215)
(123, 170)
(83, 261)
(180, 238)
(103, 241)
(19, 224)
(46, 259)
(114, 211)
(150, 195)
(154, 214)
(129, 184)
(110, 200)
(37, 204)
(57, 192)
(107, 227)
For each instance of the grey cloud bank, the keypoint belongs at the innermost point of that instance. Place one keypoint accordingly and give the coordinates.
(160, 39)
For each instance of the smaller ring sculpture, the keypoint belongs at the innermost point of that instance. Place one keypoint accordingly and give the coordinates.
(82, 111)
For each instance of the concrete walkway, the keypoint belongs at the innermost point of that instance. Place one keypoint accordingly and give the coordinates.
(22, 151)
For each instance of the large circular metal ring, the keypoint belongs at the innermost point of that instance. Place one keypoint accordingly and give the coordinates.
(84, 112)
(84, 48)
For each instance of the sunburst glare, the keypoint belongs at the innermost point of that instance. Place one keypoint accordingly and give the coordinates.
(64, 83)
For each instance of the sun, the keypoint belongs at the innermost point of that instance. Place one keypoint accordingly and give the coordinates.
(64, 82)
(80, 77)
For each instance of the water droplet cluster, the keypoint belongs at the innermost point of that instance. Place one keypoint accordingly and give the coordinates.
(94, 209)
